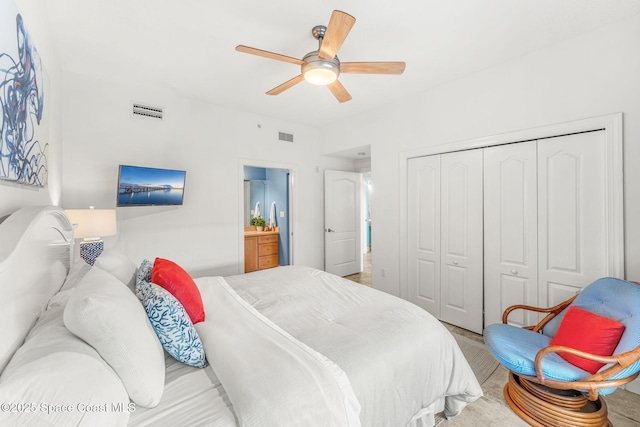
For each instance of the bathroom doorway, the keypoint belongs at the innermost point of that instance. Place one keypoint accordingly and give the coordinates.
(267, 194)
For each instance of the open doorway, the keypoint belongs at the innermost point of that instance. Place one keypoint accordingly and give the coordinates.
(267, 195)
(364, 277)
(361, 157)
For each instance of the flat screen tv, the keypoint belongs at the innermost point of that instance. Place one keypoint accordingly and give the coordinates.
(141, 186)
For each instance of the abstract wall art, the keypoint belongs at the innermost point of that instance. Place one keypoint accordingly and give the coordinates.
(23, 130)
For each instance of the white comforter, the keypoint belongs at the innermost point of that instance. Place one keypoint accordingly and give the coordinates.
(401, 363)
(272, 379)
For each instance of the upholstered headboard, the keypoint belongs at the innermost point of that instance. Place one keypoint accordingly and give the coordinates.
(36, 245)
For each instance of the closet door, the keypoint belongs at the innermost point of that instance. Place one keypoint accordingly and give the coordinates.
(461, 239)
(510, 230)
(424, 233)
(572, 215)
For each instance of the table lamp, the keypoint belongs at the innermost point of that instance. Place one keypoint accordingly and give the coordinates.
(91, 225)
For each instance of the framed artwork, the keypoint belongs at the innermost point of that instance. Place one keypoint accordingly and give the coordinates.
(23, 125)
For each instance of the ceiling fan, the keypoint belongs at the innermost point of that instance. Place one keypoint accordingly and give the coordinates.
(322, 67)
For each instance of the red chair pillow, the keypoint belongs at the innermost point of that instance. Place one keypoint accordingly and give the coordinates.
(178, 283)
(588, 332)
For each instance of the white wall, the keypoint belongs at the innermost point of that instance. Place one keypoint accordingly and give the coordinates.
(208, 142)
(595, 74)
(14, 196)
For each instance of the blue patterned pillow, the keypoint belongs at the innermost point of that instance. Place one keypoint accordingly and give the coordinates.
(172, 324)
(144, 271)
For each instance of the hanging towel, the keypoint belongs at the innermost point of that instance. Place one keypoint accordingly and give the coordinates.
(256, 210)
(272, 215)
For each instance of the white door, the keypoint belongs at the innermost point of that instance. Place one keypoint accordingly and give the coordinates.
(423, 190)
(510, 232)
(342, 224)
(461, 239)
(572, 214)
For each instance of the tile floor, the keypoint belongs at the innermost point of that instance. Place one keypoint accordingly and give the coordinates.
(492, 410)
(365, 276)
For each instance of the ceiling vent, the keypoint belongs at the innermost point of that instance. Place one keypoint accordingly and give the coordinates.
(141, 110)
(283, 136)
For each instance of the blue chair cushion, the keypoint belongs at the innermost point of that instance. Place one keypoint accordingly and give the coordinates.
(616, 299)
(609, 297)
(516, 348)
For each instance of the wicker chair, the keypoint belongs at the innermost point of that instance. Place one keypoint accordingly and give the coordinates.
(546, 390)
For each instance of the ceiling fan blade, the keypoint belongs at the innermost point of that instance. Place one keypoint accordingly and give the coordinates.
(372, 67)
(339, 91)
(267, 54)
(339, 26)
(286, 85)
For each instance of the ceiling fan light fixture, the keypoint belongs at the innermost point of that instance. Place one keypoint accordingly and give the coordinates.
(320, 76)
(321, 72)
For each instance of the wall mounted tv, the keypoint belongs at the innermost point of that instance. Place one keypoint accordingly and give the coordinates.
(140, 186)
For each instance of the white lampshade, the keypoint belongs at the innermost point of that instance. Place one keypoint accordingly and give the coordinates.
(93, 223)
(320, 76)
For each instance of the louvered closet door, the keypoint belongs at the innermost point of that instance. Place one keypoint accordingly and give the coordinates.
(572, 200)
(423, 206)
(510, 231)
(461, 239)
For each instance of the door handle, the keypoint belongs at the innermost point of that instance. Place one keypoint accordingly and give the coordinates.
(328, 230)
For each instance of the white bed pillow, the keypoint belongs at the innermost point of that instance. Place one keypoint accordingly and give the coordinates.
(54, 367)
(107, 315)
(118, 264)
(76, 272)
(60, 388)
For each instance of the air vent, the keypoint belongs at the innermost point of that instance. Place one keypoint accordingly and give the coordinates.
(282, 136)
(141, 110)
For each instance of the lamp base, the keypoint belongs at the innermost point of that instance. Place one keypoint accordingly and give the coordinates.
(91, 250)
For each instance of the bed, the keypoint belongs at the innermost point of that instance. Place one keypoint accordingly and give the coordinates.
(280, 347)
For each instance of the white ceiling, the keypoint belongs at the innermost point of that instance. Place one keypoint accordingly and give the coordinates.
(190, 45)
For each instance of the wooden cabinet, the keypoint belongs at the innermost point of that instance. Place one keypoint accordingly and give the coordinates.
(260, 251)
(250, 253)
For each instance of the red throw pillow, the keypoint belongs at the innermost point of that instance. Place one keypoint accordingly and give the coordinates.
(178, 283)
(588, 332)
